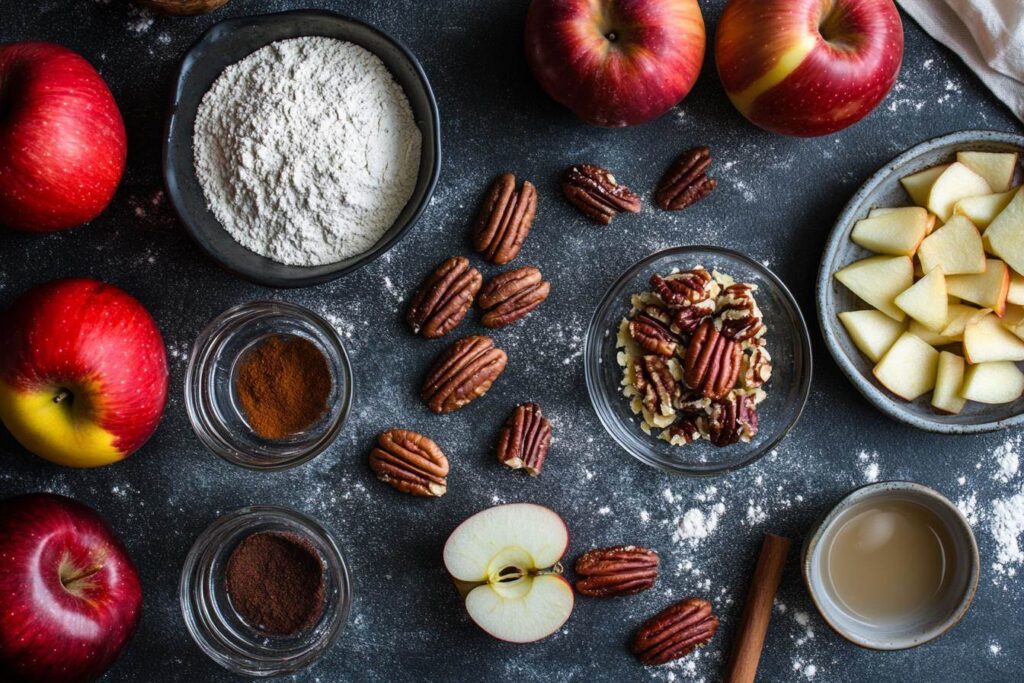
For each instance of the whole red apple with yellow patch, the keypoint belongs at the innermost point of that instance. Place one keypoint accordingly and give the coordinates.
(808, 67)
(83, 373)
(616, 62)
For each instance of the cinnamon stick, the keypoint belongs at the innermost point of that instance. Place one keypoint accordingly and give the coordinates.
(746, 652)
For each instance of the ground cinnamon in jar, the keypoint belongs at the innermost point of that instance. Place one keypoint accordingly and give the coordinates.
(276, 583)
(283, 384)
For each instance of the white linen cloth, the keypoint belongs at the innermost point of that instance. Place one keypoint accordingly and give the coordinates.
(987, 34)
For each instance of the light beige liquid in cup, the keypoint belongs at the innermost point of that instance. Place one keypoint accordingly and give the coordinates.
(888, 560)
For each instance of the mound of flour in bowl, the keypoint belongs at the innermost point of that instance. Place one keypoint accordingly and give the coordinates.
(307, 150)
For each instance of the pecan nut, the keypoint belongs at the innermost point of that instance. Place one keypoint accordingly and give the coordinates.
(675, 632)
(524, 439)
(462, 373)
(598, 196)
(687, 320)
(653, 335)
(732, 420)
(410, 463)
(505, 219)
(712, 363)
(444, 298)
(757, 367)
(658, 389)
(510, 296)
(737, 314)
(685, 288)
(610, 572)
(686, 181)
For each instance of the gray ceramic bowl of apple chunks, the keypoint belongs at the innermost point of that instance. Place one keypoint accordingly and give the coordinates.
(921, 287)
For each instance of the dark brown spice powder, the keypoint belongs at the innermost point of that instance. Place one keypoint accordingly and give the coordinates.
(276, 583)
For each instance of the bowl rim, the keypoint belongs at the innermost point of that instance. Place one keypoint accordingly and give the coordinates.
(830, 328)
(593, 341)
(382, 246)
(820, 528)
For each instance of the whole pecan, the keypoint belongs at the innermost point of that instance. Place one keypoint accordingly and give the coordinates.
(510, 296)
(684, 288)
(675, 632)
(732, 420)
(443, 299)
(653, 335)
(410, 462)
(505, 219)
(462, 373)
(686, 181)
(712, 363)
(610, 572)
(737, 313)
(524, 439)
(658, 389)
(595, 192)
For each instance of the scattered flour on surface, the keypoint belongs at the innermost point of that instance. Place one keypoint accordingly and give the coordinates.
(1006, 524)
(870, 467)
(1007, 459)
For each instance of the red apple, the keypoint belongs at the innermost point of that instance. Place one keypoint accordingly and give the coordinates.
(62, 140)
(71, 596)
(615, 62)
(83, 373)
(808, 67)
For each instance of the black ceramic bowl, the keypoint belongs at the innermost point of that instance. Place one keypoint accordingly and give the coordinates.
(230, 41)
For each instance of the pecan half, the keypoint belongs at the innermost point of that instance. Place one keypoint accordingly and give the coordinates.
(687, 320)
(712, 363)
(732, 420)
(598, 196)
(685, 288)
(652, 335)
(686, 181)
(610, 572)
(737, 314)
(443, 299)
(510, 296)
(675, 632)
(410, 462)
(462, 373)
(524, 439)
(658, 389)
(505, 219)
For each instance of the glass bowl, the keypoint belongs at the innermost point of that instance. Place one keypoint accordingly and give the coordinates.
(788, 342)
(211, 400)
(212, 621)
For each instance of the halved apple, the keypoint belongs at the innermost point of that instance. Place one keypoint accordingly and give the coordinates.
(1005, 235)
(879, 280)
(919, 185)
(955, 183)
(908, 368)
(949, 377)
(997, 168)
(986, 289)
(955, 247)
(983, 209)
(999, 382)
(961, 315)
(987, 340)
(505, 560)
(926, 300)
(896, 233)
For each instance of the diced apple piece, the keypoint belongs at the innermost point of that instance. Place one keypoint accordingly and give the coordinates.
(955, 247)
(992, 383)
(960, 316)
(1005, 235)
(1015, 295)
(949, 377)
(926, 301)
(1014, 320)
(872, 331)
(895, 233)
(919, 185)
(955, 183)
(983, 209)
(997, 168)
(908, 368)
(883, 210)
(932, 337)
(879, 280)
(987, 340)
(987, 289)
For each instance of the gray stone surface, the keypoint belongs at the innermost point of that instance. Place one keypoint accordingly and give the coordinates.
(776, 201)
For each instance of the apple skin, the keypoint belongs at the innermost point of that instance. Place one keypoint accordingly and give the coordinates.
(83, 372)
(54, 626)
(616, 62)
(62, 139)
(789, 76)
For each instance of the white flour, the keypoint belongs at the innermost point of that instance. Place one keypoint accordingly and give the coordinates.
(307, 150)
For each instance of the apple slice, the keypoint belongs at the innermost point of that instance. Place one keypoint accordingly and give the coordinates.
(983, 209)
(880, 211)
(997, 168)
(1015, 294)
(879, 280)
(999, 382)
(505, 558)
(960, 316)
(1014, 320)
(932, 337)
(955, 247)
(949, 377)
(987, 340)
(872, 331)
(919, 185)
(896, 233)
(926, 300)
(908, 368)
(1005, 235)
(986, 289)
(955, 183)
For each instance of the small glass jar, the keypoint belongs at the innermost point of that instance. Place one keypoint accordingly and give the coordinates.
(212, 402)
(212, 620)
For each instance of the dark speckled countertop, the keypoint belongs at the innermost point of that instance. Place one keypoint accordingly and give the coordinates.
(777, 199)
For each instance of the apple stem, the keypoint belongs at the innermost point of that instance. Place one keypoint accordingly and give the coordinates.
(611, 36)
(62, 395)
